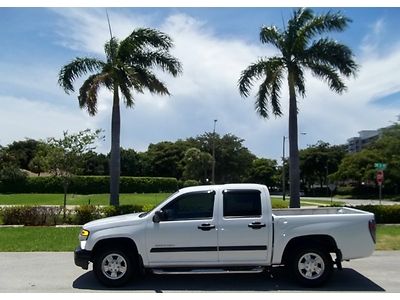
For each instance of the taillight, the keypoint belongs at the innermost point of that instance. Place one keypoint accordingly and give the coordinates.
(372, 229)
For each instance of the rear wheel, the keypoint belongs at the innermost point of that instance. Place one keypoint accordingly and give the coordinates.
(114, 267)
(312, 266)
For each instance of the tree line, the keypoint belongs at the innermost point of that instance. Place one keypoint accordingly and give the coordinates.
(191, 159)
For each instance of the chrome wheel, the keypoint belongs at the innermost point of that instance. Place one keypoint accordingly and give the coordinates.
(114, 266)
(311, 266)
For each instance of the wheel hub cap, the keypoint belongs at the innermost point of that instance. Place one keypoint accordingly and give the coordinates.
(311, 266)
(114, 266)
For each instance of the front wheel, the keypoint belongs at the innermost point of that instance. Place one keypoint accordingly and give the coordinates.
(113, 267)
(312, 267)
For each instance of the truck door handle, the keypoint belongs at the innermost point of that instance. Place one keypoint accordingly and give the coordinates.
(256, 225)
(206, 227)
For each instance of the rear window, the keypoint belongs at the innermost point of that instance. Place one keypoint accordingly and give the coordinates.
(242, 203)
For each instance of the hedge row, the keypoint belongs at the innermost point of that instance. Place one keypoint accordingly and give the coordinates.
(384, 214)
(50, 216)
(90, 185)
(41, 216)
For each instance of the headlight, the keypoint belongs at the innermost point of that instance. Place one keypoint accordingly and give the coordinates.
(83, 235)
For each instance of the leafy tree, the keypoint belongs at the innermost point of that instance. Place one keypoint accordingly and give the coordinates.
(23, 151)
(300, 49)
(128, 67)
(233, 160)
(94, 164)
(9, 167)
(165, 158)
(318, 161)
(264, 171)
(360, 167)
(130, 163)
(65, 155)
(197, 164)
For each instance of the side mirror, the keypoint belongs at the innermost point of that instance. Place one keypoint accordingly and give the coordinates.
(158, 216)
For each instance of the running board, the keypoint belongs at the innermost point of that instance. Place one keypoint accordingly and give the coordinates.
(185, 271)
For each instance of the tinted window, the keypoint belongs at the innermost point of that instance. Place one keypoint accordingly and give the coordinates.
(239, 204)
(190, 206)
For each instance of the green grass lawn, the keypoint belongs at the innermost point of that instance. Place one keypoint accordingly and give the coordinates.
(28, 239)
(388, 237)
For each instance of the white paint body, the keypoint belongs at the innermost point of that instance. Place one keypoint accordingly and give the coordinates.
(348, 227)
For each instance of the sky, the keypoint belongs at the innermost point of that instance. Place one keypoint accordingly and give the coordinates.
(214, 45)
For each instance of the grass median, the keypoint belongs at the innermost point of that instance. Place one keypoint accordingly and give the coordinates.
(29, 239)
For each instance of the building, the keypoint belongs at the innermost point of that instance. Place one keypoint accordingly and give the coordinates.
(356, 144)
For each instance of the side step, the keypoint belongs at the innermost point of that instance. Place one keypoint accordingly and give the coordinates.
(233, 270)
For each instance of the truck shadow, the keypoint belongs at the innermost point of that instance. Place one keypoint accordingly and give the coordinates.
(272, 280)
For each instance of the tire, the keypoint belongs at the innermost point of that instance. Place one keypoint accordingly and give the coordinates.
(311, 267)
(114, 267)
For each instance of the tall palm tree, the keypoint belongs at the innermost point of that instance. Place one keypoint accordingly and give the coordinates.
(128, 67)
(301, 48)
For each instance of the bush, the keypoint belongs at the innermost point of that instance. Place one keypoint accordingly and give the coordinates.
(110, 211)
(31, 215)
(90, 185)
(384, 214)
(190, 182)
(86, 213)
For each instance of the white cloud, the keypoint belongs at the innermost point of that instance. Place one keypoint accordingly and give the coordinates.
(206, 90)
(22, 118)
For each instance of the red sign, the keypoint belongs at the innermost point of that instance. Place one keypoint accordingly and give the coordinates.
(379, 177)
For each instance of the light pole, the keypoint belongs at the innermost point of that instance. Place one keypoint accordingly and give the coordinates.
(213, 155)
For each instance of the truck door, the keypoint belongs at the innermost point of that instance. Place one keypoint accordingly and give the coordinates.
(186, 233)
(243, 231)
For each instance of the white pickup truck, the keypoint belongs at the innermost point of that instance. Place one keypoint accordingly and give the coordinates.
(225, 228)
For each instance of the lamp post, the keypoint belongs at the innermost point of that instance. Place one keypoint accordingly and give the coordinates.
(213, 155)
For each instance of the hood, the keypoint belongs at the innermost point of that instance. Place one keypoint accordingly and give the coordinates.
(112, 222)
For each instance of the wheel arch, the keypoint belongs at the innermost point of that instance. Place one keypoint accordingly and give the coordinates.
(123, 243)
(324, 242)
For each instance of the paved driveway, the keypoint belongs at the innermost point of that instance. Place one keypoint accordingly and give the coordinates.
(55, 272)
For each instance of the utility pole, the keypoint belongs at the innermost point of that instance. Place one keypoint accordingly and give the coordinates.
(213, 155)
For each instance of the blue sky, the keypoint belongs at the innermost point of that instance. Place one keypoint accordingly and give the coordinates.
(214, 45)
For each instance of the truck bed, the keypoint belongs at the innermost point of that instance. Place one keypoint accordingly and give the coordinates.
(316, 211)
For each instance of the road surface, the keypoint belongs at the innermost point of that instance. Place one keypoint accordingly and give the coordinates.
(56, 272)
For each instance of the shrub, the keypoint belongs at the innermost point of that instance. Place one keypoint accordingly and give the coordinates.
(190, 182)
(86, 213)
(109, 211)
(31, 215)
(90, 185)
(384, 214)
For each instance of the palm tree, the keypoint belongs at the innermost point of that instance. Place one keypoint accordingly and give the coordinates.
(301, 47)
(128, 68)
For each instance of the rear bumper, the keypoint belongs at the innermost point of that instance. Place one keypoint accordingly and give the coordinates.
(82, 258)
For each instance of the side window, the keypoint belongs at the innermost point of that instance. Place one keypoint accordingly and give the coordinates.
(191, 206)
(242, 203)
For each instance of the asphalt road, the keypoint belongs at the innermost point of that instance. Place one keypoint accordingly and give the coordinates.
(56, 272)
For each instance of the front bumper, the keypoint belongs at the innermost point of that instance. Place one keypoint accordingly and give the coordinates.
(82, 258)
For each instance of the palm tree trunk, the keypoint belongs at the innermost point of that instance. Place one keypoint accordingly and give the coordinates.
(294, 169)
(115, 164)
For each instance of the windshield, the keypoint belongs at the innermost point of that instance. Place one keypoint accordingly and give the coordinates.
(146, 213)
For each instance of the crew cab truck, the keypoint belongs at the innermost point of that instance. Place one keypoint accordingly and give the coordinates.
(225, 228)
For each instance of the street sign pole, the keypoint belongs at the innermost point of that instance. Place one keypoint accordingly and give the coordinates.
(379, 178)
(380, 193)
